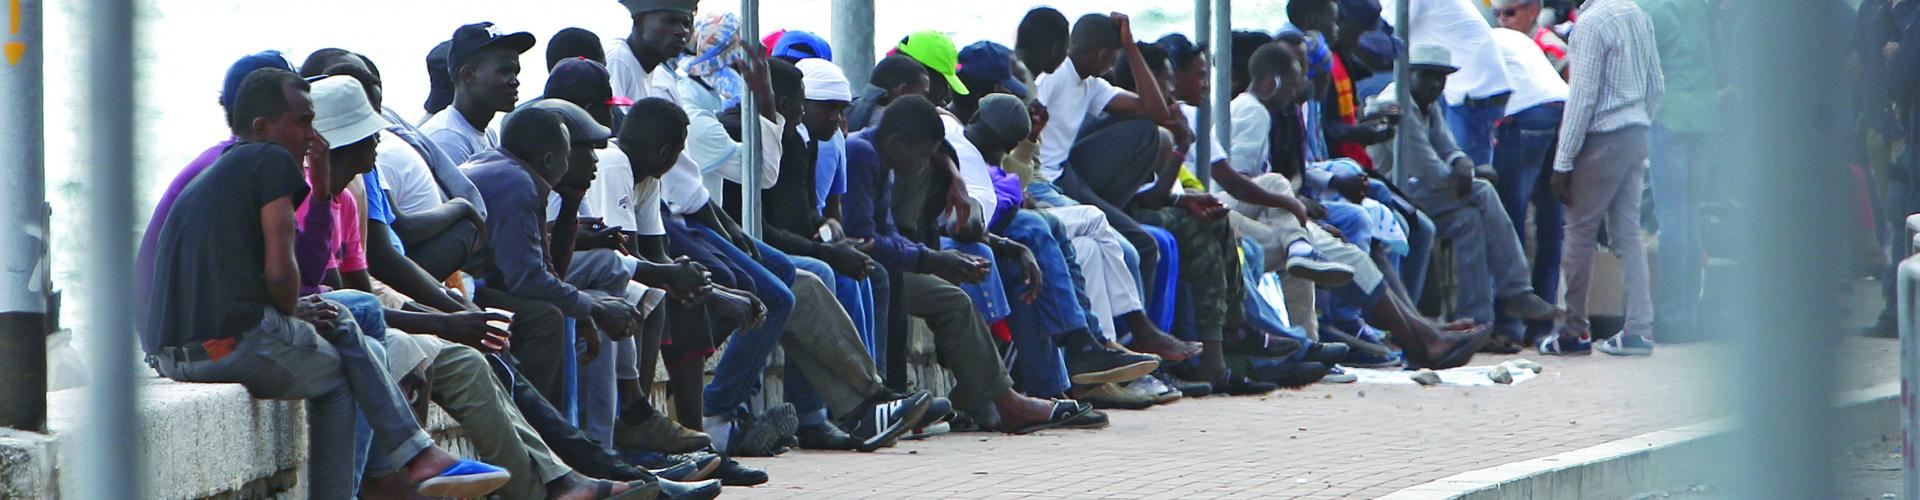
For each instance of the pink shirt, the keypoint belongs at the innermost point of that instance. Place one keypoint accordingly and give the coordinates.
(346, 251)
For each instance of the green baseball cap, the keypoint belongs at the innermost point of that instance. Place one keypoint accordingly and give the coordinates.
(935, 50)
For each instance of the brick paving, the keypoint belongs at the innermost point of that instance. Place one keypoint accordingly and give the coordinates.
(1325, 441)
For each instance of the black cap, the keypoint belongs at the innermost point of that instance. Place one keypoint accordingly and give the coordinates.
(584, 82)
(473, 38)
(441, 79)
(574, 42)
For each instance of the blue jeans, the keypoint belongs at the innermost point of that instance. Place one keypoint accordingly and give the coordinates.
(1057, 309)
(1674, 156)
(742, 363)
(1524, 161)
(1413, 269)
(989, 295)
(366, 311)
(1472, 126)
(1161, 294)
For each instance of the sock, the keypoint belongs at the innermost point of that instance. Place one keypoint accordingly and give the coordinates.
(815, 417)
(1299, 248)
(638, 411)
(1080, 342)
(720, 429)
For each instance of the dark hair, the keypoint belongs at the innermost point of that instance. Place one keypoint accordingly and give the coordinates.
(1042, 29)
(371, 68)
(1180, 50)
(318, 62)
(1270, 60)
(1304, 9)
(531, 132)
(1291, 38)
(366, 77)
(788, 82)
(1094, 32)
(262, 96)
(1243, 45)
(574, 42)
(1122, 74)
(897, 70)
(912, 119)
(647, 122)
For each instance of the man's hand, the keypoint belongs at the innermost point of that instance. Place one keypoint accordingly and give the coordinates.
(957, 267)
(1487, 172)
(1035, 278)
(744, 243)
(475, 329)
(1204, 206)
(847, 260)
(1126, 29)
(472, 215)
(1562, 184)
(1038, 114)
(586, 349)
(739, 305)
(319, 313)
(319, 168)
(594, 233)
(615, 319)
(1461, 178)
(1334, 231)
(688, 280)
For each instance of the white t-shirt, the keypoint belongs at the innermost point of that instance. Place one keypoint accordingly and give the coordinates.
(1529, 72)
(617, 197)
(455, 136)
(973, 167)
(408, 180)
(1458, 26)
(1070, 101)
(1217, 154)
(1252, 126)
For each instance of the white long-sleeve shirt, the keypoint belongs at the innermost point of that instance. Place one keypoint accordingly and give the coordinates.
(710, 150)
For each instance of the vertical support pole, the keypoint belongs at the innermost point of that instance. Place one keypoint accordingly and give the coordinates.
(1222, 73)
(1402, 75)
(23, 222)
(853, 40)
(1909, 276)
(111, 454)
(1203, 112)
(750, 132)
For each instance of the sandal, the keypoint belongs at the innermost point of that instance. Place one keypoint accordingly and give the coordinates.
(1064, 412)
(1456, 357)
(635, 490)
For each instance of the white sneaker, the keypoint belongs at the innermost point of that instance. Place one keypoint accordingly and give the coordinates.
(1151, 387)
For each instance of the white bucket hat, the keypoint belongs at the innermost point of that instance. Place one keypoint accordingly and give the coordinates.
(341, 113)
(1432, 57)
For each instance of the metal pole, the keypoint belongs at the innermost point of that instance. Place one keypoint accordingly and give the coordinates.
(1909, 276)
(23, 208)
(110, 459)
(1222, 73)
(750, 132)
(853, 40)
(1203, 112)
(1402, 76)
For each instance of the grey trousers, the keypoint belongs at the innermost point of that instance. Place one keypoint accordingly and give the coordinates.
(821, 342)
(464, 386)
(606, 273)
(285, 358)
(1487, 257)
(961, 339)
(1607, 176)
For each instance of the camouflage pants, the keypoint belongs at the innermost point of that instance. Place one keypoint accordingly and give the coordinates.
(1209, 267)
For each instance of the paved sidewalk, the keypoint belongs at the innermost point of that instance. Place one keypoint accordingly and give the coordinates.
(1326, 441)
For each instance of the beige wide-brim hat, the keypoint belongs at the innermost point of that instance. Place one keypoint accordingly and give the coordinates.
(341, 113)
(1431, 57)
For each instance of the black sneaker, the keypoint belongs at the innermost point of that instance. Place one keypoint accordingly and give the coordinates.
(1187, 388)
(885, 422)
(1101, 366)
(732, 473)
(762, 436)
(686, 467)
(825, 436)
(1327, 352)
(1252, 342)
(699, 490)
(1239, 385)
(1290, 375)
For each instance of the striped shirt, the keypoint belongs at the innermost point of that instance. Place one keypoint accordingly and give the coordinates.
(1616, 76)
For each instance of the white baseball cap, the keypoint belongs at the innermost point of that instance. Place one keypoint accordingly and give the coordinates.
(341, 113)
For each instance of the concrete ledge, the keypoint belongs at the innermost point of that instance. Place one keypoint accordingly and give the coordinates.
(1665, 460)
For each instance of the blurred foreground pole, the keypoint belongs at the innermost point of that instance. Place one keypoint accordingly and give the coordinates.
(111, 453)
(750, 134)
(853, 40)
(23, 222)
(1222, 75)
(1785, 121)
(1203, 114)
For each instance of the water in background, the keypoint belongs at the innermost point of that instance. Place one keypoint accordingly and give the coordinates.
(185, 47)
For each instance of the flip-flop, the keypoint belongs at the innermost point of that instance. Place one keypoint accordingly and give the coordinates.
(465, 479)
(1461, 354)
(635, 490)
(1064, 411)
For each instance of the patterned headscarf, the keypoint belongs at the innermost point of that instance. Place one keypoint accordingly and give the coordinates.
(716, 45)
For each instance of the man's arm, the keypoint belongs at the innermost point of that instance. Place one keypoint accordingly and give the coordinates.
(519, 255)
(310, 248)
(396, 270)
(425, 224)
(1244, 189)
(565, 229)
(1148, 103)
(282, 273)
(1589, 51)
(866, 214)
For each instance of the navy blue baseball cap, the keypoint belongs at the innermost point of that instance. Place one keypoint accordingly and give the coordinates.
(584, 82)
(239, 70)
(986, 61)
(439, 79)
(1360, 11)
(473, 38)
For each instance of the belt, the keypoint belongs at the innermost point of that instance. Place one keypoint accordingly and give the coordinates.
(190, 353)
(1499, 98)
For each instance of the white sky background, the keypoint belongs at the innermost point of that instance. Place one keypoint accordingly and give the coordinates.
(186, 46)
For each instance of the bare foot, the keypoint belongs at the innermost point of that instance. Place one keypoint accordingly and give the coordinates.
(1438, 347)
(578, 487)
(1017, 410)
(429, 463)
(392, 486)
(1160, 344)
